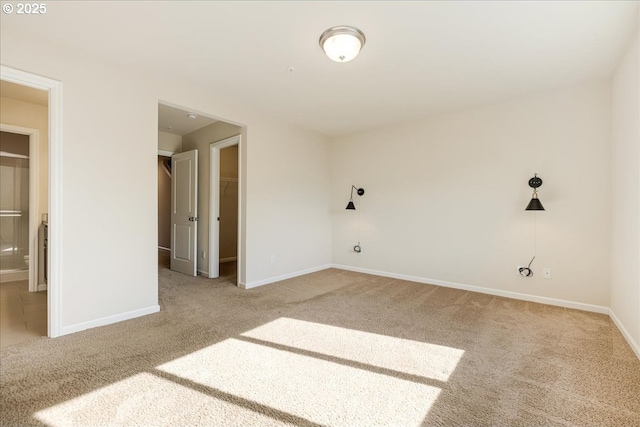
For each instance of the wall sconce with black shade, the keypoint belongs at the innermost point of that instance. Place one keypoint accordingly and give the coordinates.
(360, 192)
(535, 204)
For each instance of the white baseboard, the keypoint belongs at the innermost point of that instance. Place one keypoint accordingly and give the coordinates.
(42, 287)
(203, 273)
(634, 345)
(12, 276)
(65, 330)
(283, 277)
(233, 258)
(490, 291)
(162, 248)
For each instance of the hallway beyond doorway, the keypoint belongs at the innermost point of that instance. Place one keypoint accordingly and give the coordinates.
(23, 314)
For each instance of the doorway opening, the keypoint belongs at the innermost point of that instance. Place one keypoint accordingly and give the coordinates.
(24, 208)
(224, 207)
(164, 209)
(185, 138)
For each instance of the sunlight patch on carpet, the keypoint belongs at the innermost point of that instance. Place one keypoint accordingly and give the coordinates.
(411, 357)
(147, 399)
(317, 390)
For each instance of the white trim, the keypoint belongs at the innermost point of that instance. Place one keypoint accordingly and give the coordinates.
(489, 291)
(203, 273)
(165, 153)
(108, 320)
(14, 275)
(162, 248)
(242, 223)
(214, 201)
(12, 155)
(232, 258)
(56, 149)
(634, 345)
(34, 208)
(42, 287)
(283, 277)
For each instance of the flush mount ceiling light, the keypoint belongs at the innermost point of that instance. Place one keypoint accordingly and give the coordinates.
(342, 44)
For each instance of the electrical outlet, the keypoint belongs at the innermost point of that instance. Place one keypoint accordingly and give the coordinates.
(546, 273)
(273, 259)
(204, 254)
(518, 269)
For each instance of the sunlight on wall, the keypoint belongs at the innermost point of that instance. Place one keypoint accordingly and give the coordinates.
(402, 355)
(317, 390)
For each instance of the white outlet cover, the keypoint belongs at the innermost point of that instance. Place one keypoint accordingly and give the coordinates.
(546, 273)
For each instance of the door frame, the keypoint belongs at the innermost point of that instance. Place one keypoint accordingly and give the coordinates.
(34, 207)
(214, 203)
(55, 211)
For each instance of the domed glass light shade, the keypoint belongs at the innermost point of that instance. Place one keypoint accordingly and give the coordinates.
(342, 44)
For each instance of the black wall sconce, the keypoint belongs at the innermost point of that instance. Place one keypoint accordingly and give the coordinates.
(535, 204)
(360, 192)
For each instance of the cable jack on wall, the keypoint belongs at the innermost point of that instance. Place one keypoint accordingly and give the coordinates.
(526, 271)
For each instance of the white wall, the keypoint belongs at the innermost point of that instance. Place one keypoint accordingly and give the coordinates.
(284, 187)
(445, 196)
(288, 201)
(169, 142)
(286, 197)
(110, 209)
(625, 254)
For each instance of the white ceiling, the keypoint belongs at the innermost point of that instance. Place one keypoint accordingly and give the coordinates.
(179, 122)
(420, 58)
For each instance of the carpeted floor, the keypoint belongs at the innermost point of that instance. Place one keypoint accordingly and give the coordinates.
(330, 348)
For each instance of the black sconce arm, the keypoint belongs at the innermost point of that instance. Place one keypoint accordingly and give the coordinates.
(360, 192)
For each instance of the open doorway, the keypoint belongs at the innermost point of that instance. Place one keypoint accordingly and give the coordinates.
(55, 236)
(164, 210)
(224, 207)
(24, 207)
(182, 131)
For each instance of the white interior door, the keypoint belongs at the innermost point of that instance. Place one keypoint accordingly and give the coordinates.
(184, 212)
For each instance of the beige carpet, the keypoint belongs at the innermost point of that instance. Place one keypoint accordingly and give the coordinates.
(331, 348)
